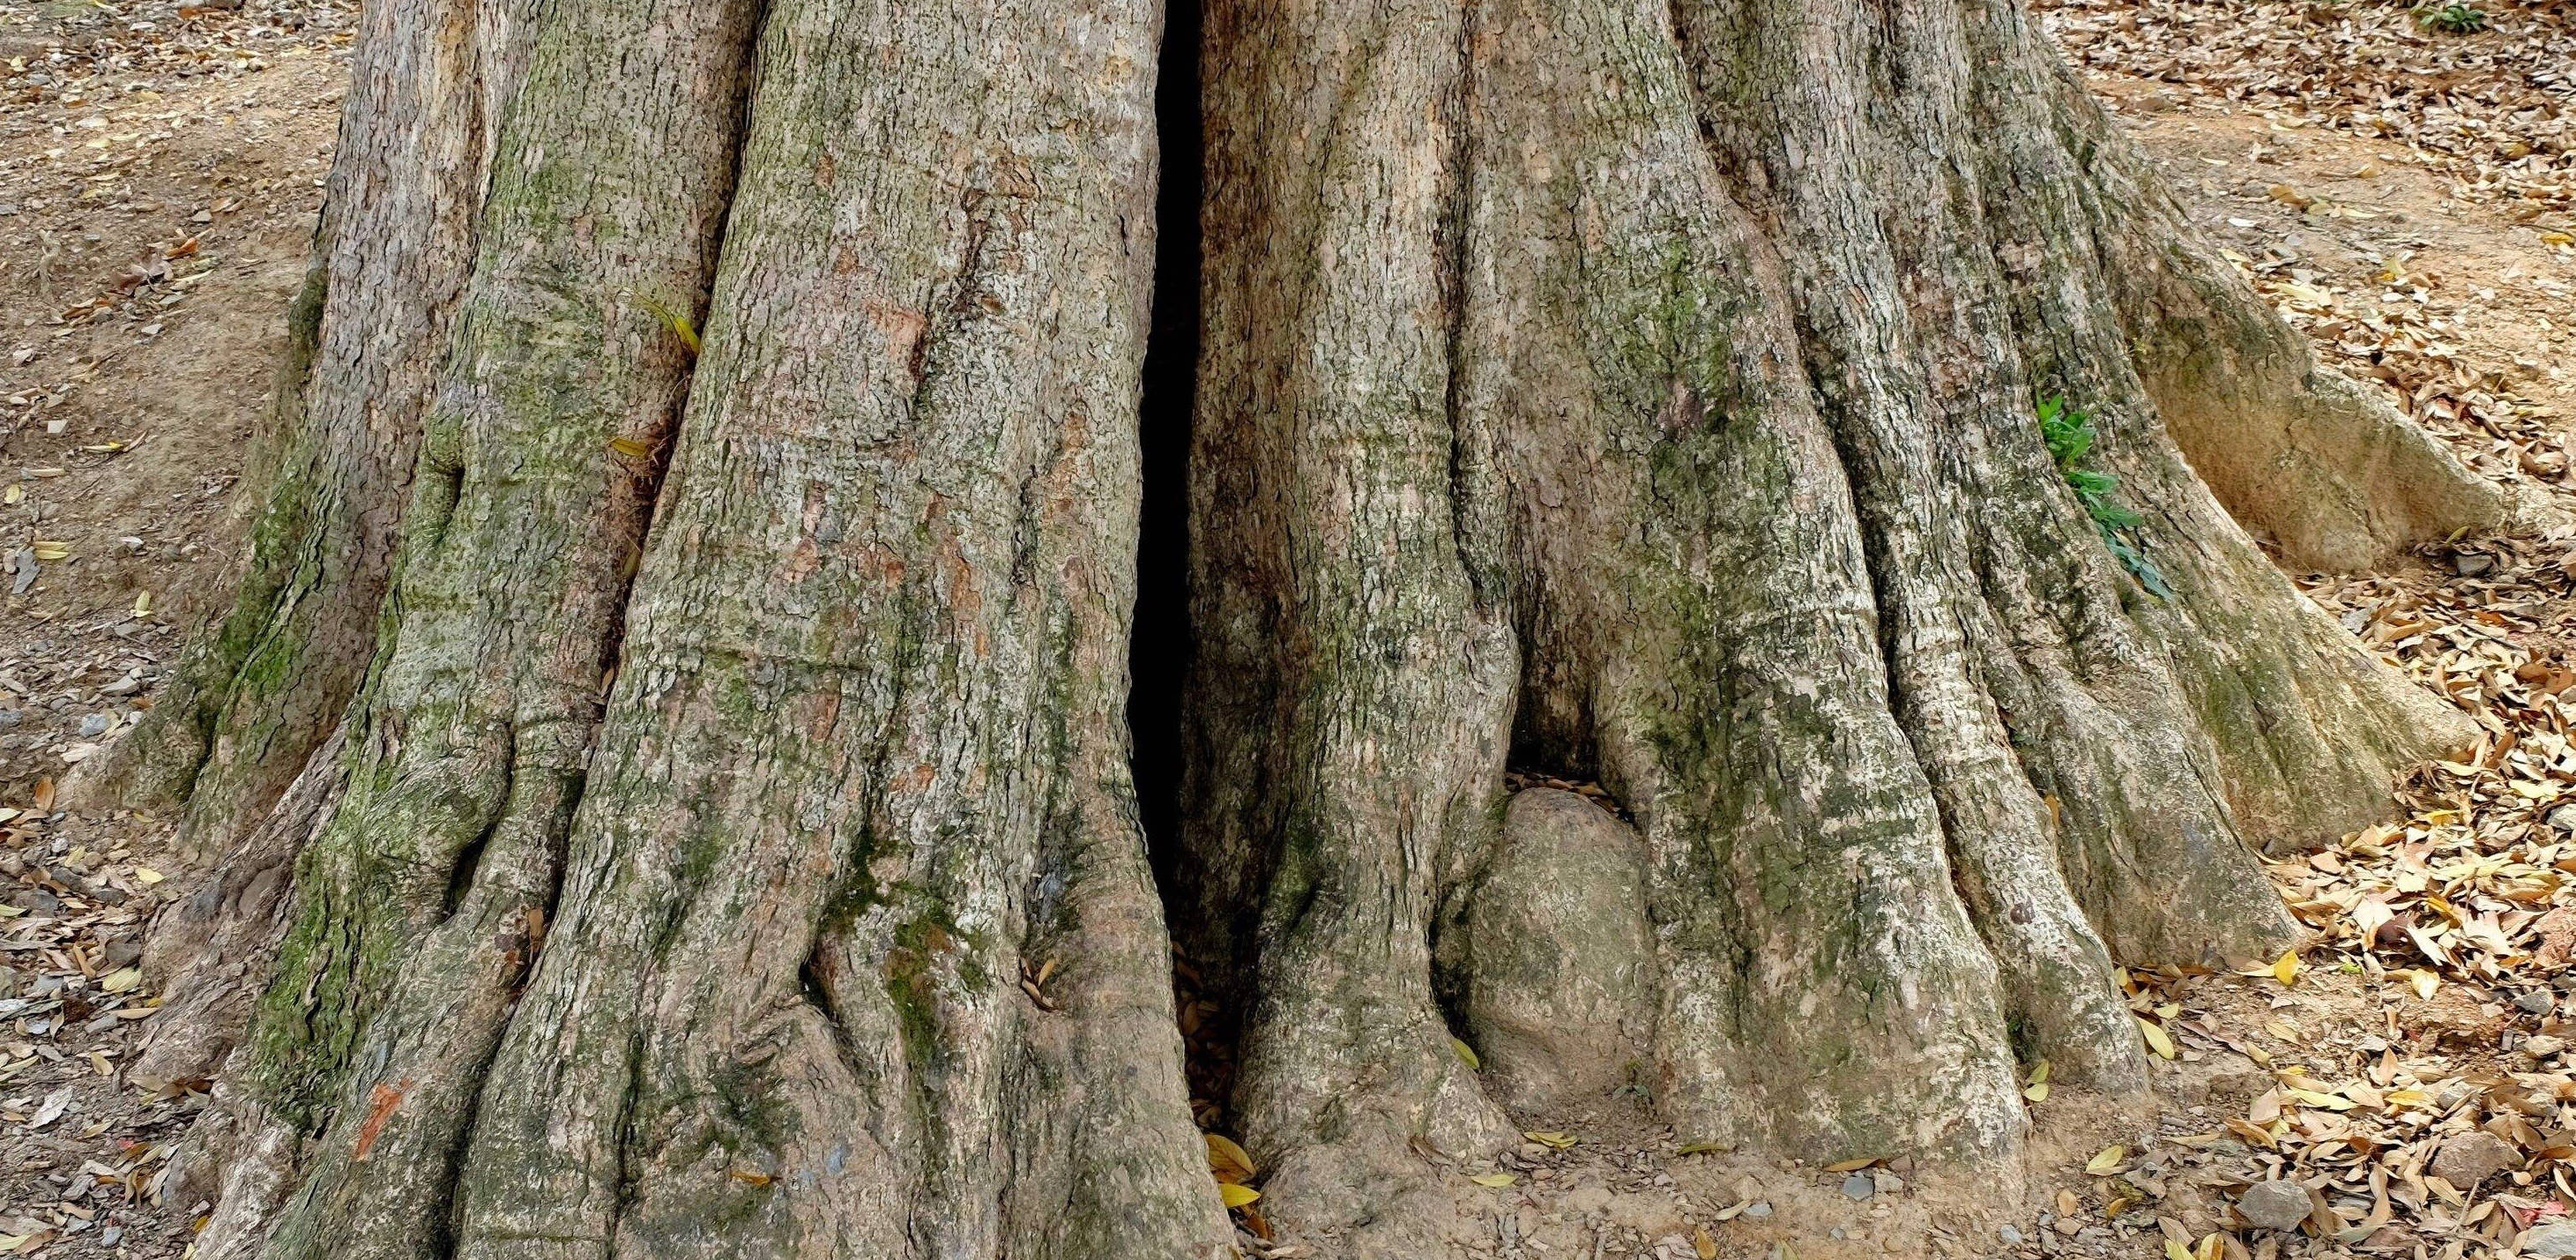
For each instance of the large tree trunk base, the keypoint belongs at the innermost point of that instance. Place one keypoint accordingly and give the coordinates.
(1653, 395)
(730, 847)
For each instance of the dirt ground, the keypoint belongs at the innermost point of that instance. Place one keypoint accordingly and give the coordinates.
(2405, 193)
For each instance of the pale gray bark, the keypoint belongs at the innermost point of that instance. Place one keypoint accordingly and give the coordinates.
(864, 769)
(1658, 384)
(861, 768)
(261, 690)
(745, 861)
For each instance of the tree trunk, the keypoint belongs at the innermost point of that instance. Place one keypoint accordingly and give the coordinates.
(1649, 393)
(720, 837)
(256, 703)
(257, 694)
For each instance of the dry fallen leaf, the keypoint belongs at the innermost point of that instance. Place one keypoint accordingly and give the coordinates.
(1228, 1161)
(2156, 1039)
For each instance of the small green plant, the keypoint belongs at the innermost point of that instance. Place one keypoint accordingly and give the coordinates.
(2070, 437)
(2453, 18)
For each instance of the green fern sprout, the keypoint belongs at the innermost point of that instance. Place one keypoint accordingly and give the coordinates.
(2070, 436)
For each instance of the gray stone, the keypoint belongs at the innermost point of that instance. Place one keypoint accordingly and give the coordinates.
(2553, 1241)
(1859, 1185)
(1758, 1209)
(2469, 1158)
(2010, 1237)
(1556, 954)
(2536, 1001)
(2277, 1205)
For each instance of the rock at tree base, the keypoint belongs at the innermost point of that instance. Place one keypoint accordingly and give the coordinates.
(1558, 976)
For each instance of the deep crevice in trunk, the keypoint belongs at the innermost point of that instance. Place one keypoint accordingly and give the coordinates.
(1159, 644)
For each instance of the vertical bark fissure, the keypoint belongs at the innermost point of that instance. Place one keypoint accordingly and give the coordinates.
(1160, 642)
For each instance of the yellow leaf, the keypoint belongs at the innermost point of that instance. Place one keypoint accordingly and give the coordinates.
(1552, 1139)
(2557, 238)
(15, 493)
(1466, 1054)
(1236, 1196)
(2425, 983)
(1852, 1165)
(50, 550)
(1496, 1180)
(148, 875)
(2212, 1245)
(2287, 969)
(675, 321)
(2039, 1073)
(122, 980)
(1702, 1243)
(2105, 1160)
(2156, 1039)
(142, 603)
(629, 447)
(1228, 1161)
(2037, 1093)
(2176, 1251)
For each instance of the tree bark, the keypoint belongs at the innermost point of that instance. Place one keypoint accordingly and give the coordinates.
(720, 837)
(1648, 392)
(821, 796)
(326, 485)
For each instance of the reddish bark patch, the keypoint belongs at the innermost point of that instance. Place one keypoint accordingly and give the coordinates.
(380, 1108)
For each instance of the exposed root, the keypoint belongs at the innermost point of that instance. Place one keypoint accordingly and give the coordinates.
(214, 951)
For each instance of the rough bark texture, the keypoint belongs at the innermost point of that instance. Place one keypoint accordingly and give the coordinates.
(1648, 392)
(802, 790)
(326, 487)
(730, 849)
